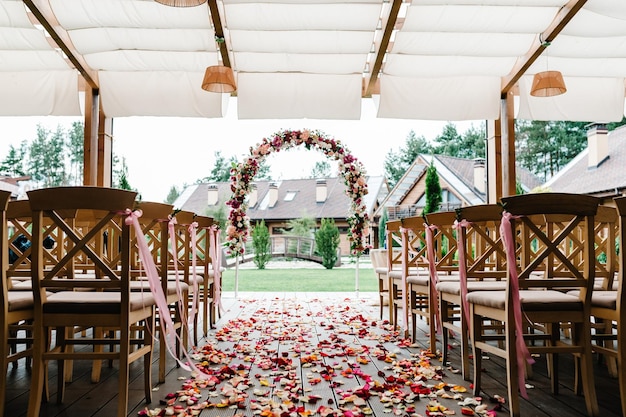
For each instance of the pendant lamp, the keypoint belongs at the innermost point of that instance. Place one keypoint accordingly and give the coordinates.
(547, 83)
(181, 3)
(219, 79)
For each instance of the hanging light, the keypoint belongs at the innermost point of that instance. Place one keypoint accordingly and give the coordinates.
(219, 79)
(181, 3)
(547, 83)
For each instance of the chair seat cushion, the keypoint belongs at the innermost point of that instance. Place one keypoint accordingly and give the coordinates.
(20, 300)
(94, 302)
(531, 300)
(602, 299)
(143, 285)
(424, 279)
(454, 287)
(381, 270)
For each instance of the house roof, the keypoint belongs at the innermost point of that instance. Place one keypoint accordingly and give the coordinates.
(457, 172)
(337, 204)
(433, 60)
(608, 177)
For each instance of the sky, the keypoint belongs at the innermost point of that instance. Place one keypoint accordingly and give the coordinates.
(162, 152)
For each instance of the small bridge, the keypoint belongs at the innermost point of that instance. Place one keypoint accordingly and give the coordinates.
(284, 246)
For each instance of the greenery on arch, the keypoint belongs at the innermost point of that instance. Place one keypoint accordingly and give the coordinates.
(243, 173)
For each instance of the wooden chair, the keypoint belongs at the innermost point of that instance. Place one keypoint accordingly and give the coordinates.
(530, 300)
(154, 222)
(482, 264)
(608, 314)
(422, 297)
(17, 311)
(394, 267)
(209, 293)
(379, 265)
(90, 301)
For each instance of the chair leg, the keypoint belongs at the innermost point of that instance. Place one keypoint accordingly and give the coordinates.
(476, 329)
(122, 404)
(582, 336)
(38, 374)
(511, 368)
(148, 340)
(96, 367)
(465, 349)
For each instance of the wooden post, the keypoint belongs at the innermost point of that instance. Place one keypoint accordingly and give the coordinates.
(356, 276)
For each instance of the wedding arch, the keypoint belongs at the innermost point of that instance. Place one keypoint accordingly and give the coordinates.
(243, 173)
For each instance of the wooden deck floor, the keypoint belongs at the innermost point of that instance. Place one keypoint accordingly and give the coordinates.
(307, 324)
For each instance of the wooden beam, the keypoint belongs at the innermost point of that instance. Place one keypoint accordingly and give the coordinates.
(380, 52)
(43, 13)
(219, 31)
(563, 17)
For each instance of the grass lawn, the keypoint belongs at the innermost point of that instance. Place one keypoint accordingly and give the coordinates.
(296, 280)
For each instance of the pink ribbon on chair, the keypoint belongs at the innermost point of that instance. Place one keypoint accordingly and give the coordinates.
(460, 243)
(522, 350)
(171, 228)
(216, 263)
(154, 280)
(432, 272)
(194, 241)
(405, 243)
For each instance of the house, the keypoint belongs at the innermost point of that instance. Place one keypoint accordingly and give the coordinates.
(17, 186)
(278, 202)
(599, 169)
(463, 182)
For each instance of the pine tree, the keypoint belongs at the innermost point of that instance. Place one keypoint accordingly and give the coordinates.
(261, 244)
(327, 242)
(433, 190)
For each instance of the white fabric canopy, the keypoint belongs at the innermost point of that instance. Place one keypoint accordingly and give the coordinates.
(444, 60)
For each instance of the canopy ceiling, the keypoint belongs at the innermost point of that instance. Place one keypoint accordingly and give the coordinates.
(439, 60)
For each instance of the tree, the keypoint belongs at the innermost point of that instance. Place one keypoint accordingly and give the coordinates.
(76, 150)
(396, 163)
(261, 244)
(36, 156)
(327, 242)
(221, 169)
(123, 178)
(13, 163)
(449, 142)
(546, 147)
(54, 159)
(218, 213)
(382, 226)
(321, 170)
(302, 227)
(172, 195)
(433, 190)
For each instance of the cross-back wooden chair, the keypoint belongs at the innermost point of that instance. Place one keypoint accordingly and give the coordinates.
(91, 301)
(17, 308)
(154, 222)
(378, 257)
(422, 300)
(181, 261)
(394, 268)
(533, 302)
(608, 312)
(209, 293)
(482, 266)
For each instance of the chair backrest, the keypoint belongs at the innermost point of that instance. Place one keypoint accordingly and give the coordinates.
(606, 232)
(444, 240)
(394, 245)
(51, 208)
(414, 252)
(203, 242)
(6, 282)
(485, 255)
(620, 202)
(562, 243)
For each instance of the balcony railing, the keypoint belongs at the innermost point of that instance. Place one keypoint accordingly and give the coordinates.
(410, 210)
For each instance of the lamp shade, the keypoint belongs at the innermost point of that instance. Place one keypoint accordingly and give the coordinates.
(181, 3)
(548, 84)
(219, 79)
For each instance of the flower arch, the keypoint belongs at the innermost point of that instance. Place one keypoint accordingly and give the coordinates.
(350, 168)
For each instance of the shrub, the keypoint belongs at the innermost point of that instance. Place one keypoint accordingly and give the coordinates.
(261, 243)
(327, 242)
